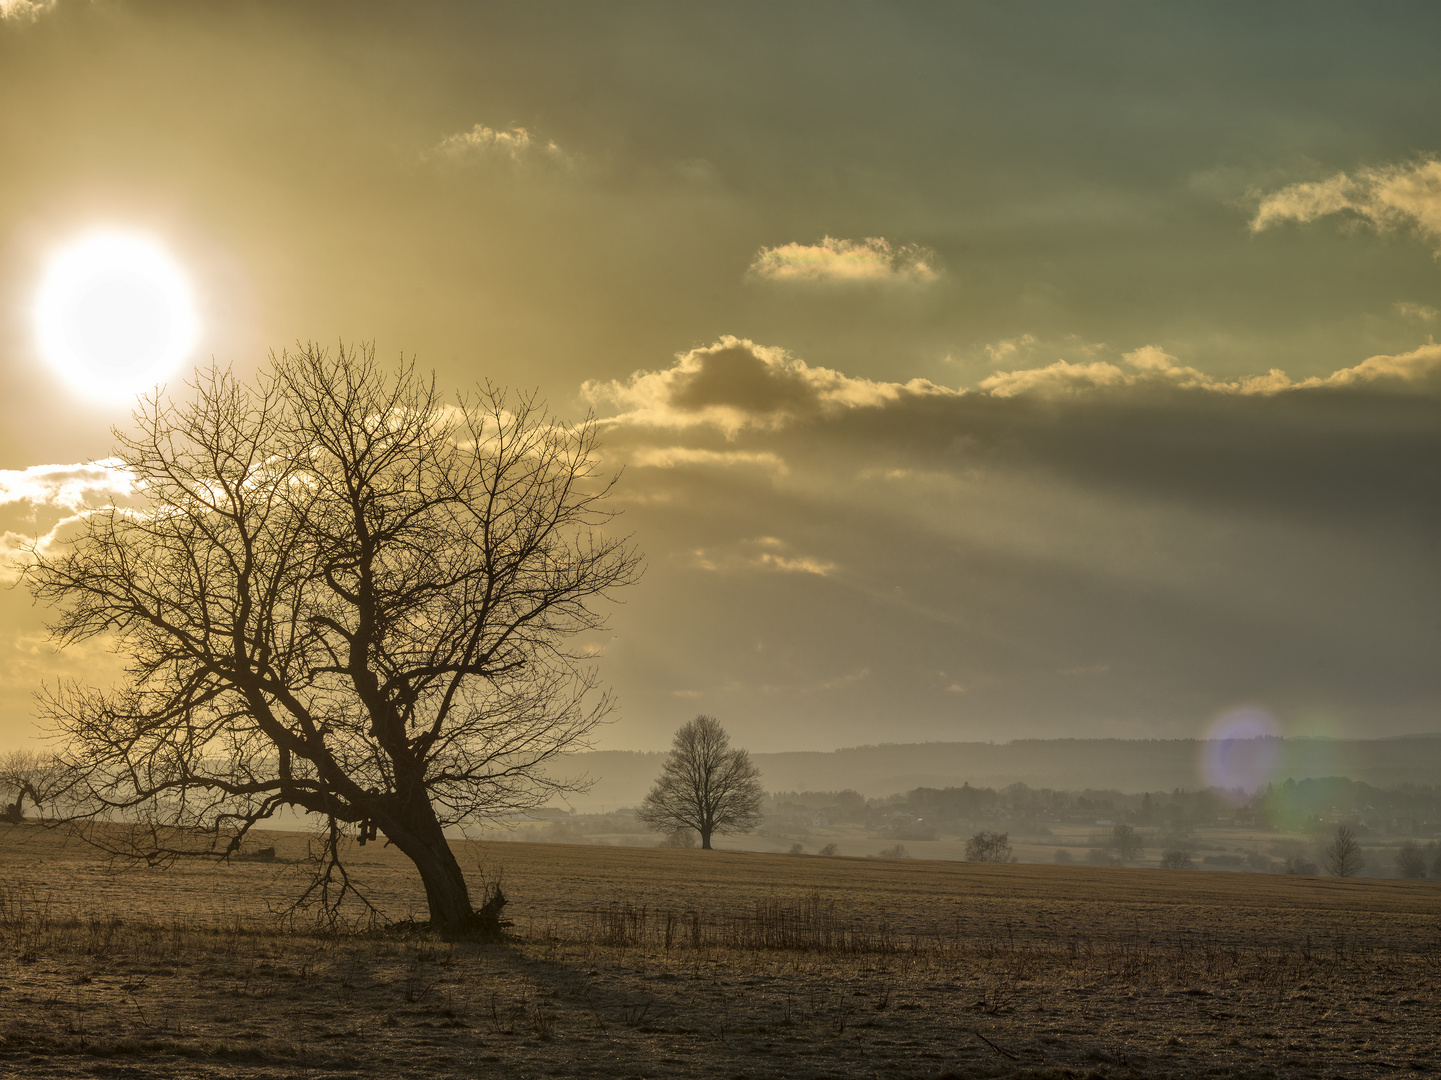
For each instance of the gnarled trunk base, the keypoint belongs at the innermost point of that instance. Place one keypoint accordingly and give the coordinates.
(446, 894)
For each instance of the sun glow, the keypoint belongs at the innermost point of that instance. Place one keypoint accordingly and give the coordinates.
(115, 314)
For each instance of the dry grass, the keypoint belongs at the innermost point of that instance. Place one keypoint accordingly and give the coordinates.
(649, 962)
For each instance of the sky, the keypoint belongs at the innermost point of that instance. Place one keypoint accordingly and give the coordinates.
(977, 371)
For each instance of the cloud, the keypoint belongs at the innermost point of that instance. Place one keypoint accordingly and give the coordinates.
(1414, 366)
(1146, 365)
(1129, 542)
(761, 553)
(1151, 366)
(517, 144)
(66, 490)
(735, 384)
(874, 260)
(1386, 197)
(67, 487)
(1002, 351)
(1416, 311)
(25, 10)
(670, 457)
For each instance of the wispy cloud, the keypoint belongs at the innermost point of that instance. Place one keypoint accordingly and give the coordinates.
(25, 10)
(1001, 351)
(762, 553)
(1424, 312)
(517, 144)
(1152, 366)
(735, 383)
(670, 457)
(873, 260)
(67, 487)
(65, 490)
(1386, 196)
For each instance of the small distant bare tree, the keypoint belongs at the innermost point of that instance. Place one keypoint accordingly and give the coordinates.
(830, 849)
(1177, 859)
(1127, 844)
(1343, 854)
(989, 847)
(26, 774)
(704, 785)
(1411, 861)
(342, 595)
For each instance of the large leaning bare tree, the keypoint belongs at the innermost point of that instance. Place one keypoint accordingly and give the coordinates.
(341, 595)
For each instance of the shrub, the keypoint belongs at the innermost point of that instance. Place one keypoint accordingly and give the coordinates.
(1411, 861)
(897, 852)
(1258, 861)
(831, 849)
(1295, 864)
(989, 847)
(798, 849)
(679, 838)
(1177, 859)
(1062, 857)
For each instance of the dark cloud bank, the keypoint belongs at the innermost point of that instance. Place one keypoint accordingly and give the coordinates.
(866, 560)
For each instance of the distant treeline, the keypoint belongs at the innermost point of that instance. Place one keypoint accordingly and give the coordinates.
(1405, 810)
(1132, 766)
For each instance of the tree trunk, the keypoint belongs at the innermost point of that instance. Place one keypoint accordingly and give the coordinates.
(448, 897)
(705, 839)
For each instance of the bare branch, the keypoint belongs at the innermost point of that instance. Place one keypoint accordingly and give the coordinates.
(342, 596)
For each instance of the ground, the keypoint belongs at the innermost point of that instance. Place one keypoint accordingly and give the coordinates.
(627, 962)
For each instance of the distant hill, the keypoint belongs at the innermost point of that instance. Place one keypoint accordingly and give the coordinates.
(621, 777)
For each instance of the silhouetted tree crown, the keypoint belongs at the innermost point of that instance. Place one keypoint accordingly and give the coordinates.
(987, 846)
(1343, 854)
(341, 594)
(704, 785)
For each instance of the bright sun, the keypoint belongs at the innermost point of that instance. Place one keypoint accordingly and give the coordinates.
(115, 314)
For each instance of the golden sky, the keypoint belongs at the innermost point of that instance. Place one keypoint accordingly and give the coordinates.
(979, 370)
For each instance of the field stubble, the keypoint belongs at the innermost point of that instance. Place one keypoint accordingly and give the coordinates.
(649, 963)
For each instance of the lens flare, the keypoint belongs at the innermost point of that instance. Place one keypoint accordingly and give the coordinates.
(115, 314)
(1241, 749)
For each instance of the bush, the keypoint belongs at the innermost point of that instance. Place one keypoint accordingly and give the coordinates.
(1062, 857)
(1411, 861)
(831, 849)
(989, 847)
(1177, 859)
(1257, 861)
(798, 849)
(1295, 864)
(679, 838)
(897, 852)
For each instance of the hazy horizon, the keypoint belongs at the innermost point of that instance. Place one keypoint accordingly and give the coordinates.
(979, 372)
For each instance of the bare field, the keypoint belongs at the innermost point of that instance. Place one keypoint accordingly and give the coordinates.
(634, 962)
